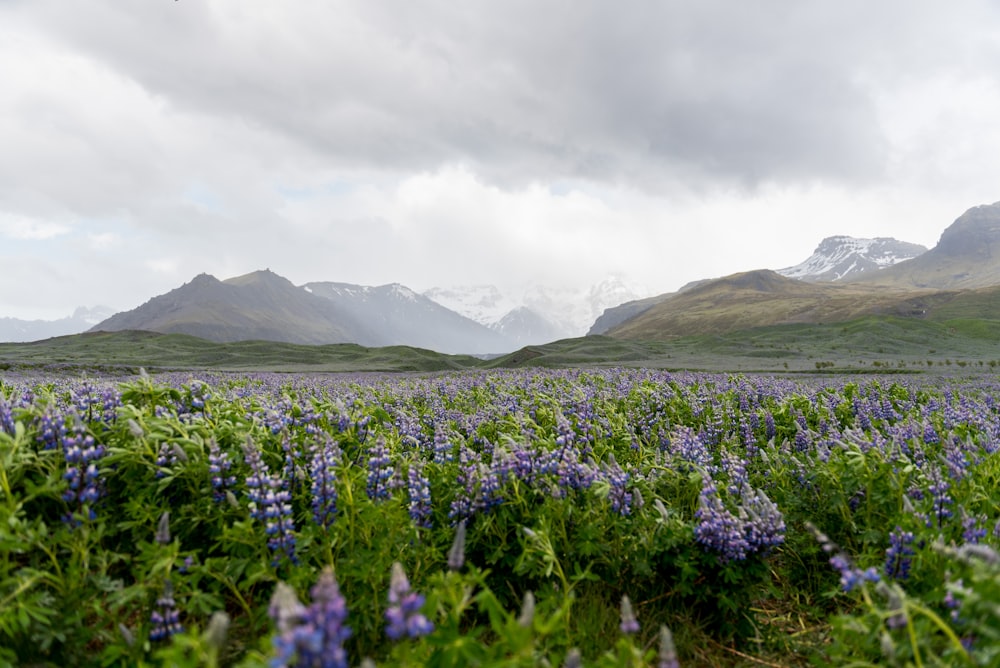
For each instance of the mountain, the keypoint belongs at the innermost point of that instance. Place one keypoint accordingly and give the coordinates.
(966, 256)
(959, 277)
(616, 315)
(524, 327)
(401, 316)
(537, 314)
(267, 307)
(257, 306)
(483, 303)
(763, 298)
(841, 257)
(83, 318)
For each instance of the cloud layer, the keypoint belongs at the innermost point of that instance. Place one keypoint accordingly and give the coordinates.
(445, 143)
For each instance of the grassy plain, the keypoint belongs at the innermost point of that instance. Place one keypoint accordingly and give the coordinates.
(867, 344)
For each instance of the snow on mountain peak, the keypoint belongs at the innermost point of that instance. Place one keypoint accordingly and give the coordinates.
(571, 310)
(839, 257)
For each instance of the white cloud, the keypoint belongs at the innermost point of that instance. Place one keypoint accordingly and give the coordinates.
(436, 144)
(25, 229)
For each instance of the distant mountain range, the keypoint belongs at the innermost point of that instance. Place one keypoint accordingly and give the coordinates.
(15, 330)
(958, 278)
(537, 314)
(844, 278)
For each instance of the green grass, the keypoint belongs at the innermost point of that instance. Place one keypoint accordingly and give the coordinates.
(149, 349)
(872, 343)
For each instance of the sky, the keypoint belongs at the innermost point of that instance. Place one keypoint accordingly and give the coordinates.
(441, 143)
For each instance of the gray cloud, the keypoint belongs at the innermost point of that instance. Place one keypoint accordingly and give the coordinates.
(207, 134)
(525, 90)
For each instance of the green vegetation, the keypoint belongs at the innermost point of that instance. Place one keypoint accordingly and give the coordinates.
(872, 343)
(624, 517)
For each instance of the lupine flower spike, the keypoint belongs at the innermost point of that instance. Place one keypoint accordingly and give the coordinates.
(629, 623)
(403, 617)
(668, 653)
(315, 635)
(165, 618)
(456, 555)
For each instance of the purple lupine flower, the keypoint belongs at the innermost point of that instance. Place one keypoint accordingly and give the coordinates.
(629, 623)
(219, 466)
(950, 601)
(456, 555)
(380, 472)
(619, 496)
(51, 429)
(763, 523)
(463, 505)
(491, 481)
(162, 535)
(84, 400)
(769, 428)
(322, 469)
(6, 417)
(165, 617)
(899, 555)
(667, 655)
(403, 616)
(81, 455)
(419, 490)
(930, 434)
(444, 451)
(313, 636)
(850, 575)
(972, 530)
(941, 500)
(718, 529)
(690, 447)
(270, 502)
(168, 456)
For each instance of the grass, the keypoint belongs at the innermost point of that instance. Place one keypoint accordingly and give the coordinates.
(872, 343)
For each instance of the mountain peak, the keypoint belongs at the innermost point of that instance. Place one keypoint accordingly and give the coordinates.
(259, 277)
(976, 233)
(841, 257)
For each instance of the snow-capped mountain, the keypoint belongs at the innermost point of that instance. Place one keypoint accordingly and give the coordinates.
(483, 303)
(840, 257)
(400, 316)
(535, 313)
(83, 318)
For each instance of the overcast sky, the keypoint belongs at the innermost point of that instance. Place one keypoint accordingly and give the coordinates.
(446, 143)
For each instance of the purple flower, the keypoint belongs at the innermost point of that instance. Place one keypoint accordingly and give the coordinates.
(84, 483)
(165, 618)
(380, 472)
(322, 470)
(419, 490)
(620, 497)
(403, 616)
(270, 502)
(313, 636)
(51, 428)
(6, 417)
(899, 555)
(850, 575)
(456, 555)
(629, 624)
(667, 655)
(219, 466)
(718, 529)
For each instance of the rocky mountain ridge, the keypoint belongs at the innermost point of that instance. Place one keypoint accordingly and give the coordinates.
(841, 257)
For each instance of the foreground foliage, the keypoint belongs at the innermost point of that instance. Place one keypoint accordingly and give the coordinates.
(617, 518)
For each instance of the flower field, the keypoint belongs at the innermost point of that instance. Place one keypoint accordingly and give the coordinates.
(615, 517)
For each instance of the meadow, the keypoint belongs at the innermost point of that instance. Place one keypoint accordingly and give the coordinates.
(505, 517)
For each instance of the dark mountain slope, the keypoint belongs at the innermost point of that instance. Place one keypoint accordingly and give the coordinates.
(258, 306)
